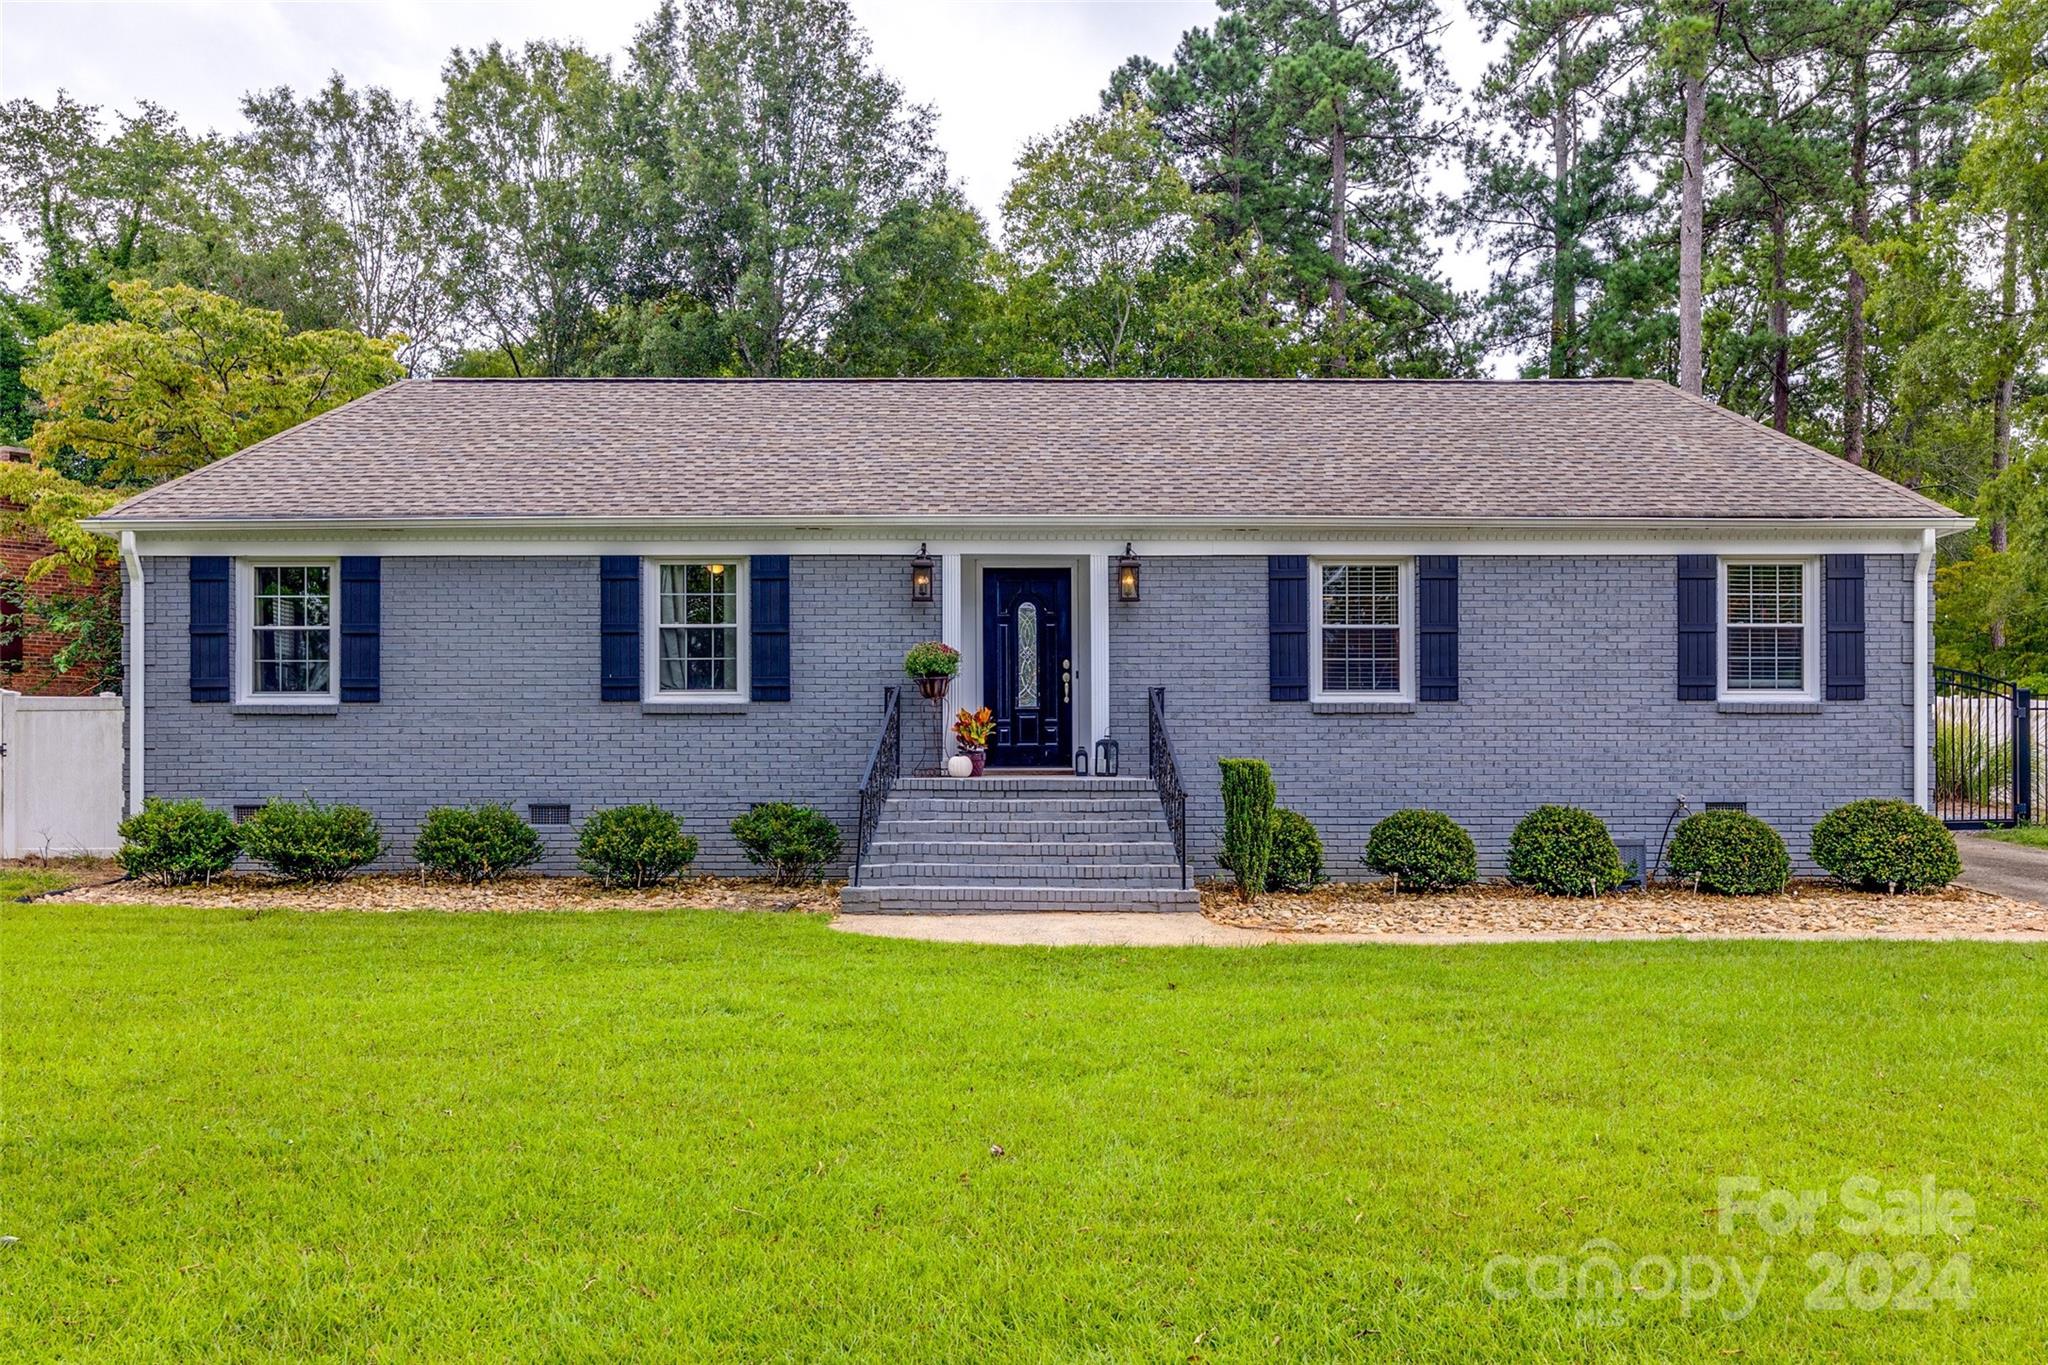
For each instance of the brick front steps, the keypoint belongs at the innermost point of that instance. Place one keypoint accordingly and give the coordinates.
(989, 844)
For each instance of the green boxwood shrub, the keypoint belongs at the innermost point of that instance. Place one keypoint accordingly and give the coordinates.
(634, 845)
(1729, 851)
(1886, 845)
(794, 843)
(1297, 860)
(1564, 851)
(304, 841)
(1423, 849)
(173, 843)
(476, 843)
(1247, 823)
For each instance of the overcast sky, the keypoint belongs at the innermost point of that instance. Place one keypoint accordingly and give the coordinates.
(996, 72)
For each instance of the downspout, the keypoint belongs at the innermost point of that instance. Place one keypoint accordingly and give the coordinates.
(132, 679)
(1923, 668)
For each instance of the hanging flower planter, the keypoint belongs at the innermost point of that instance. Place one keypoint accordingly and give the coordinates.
(931, 665)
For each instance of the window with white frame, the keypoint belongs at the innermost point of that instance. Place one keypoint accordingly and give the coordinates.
(697, 627)
(1360, 640)
(1768, 628)
(290, 616)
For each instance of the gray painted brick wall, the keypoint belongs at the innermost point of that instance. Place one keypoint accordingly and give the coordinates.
(490, 693)
(1568, 693)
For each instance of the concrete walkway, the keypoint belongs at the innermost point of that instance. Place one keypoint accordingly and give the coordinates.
(2016, 870)
(1149, 929)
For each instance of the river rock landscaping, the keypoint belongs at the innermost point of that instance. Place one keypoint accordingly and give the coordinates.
(1806, 908)
(399, 891)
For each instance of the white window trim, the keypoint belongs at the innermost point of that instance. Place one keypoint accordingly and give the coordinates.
(245, 631)
(1405, 590)
(1809, 582)
(650, 628)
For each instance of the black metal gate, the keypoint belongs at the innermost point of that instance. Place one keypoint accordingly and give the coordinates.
(1987, 734)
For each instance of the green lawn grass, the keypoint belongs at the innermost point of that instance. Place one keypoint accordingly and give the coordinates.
(696, 1135)
(16, 882)
(2035, 836)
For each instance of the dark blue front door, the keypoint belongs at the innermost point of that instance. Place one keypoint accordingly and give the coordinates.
(1028, 668)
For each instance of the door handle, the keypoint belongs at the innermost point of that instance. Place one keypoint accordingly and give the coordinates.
(1066, 679)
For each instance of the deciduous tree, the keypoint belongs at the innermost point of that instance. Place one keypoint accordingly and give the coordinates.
(183, 379)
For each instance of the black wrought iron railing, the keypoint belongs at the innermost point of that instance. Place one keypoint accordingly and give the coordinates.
(1166, 777)
(885, 765)
(1987, 733)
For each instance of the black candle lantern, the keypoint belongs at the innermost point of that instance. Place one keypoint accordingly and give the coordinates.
(921, 576)
(1081, 762)
(1105, 758)
(1127, 575)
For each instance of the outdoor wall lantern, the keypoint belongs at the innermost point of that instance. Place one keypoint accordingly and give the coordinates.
(1105, 758)
(921, 576)
(1127, 575)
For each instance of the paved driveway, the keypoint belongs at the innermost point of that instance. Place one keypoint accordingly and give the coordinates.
(2016, 870)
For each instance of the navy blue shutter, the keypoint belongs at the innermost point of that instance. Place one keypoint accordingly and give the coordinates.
(361, 625)
(1843, 614)
(210, 586)
(1287, 627)
(1436, 627)
(619, 612)
(768, 614)
(1698, 632)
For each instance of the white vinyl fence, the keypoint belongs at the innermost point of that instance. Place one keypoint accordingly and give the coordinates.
(60, 775)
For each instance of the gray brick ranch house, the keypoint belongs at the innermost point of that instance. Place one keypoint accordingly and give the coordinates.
(1474, 596)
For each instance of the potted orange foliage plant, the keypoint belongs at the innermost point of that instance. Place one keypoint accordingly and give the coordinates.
(971, 731)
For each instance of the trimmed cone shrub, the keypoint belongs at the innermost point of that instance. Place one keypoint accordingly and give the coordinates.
(1729, 851)
(634, 846)
(1424, 849)
(173, 843)
(793, 842)
(476, 843)
(1297, 861)
(304, 841)
(1564, 851)
(1247, 823)
(1886, 846)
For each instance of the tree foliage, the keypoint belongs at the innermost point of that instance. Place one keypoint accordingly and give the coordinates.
(185, 378)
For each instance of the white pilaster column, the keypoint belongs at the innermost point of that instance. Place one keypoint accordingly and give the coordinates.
(1098, 650)
(951, 591)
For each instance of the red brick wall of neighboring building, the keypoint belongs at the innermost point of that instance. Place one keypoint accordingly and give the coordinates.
(25, 661)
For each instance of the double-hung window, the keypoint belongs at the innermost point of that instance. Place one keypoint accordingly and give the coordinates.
(289, 616)
(1361, 643)
(696, 632)
(1769, 629)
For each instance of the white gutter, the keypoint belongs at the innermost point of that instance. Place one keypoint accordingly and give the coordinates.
(132, 679)
(1923, 669)
(919, 527)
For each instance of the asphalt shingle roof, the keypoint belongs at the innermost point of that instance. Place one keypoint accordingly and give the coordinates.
(939, 449)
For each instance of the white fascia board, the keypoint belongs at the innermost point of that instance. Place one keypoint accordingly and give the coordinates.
(995, 535)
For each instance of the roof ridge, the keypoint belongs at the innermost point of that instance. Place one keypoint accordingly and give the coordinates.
(1018, 379)
(292, 430)
(1803, 447)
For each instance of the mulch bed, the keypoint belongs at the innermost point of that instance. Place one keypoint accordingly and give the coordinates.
(1488, 911)
(1817, 907)
(391, 891)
